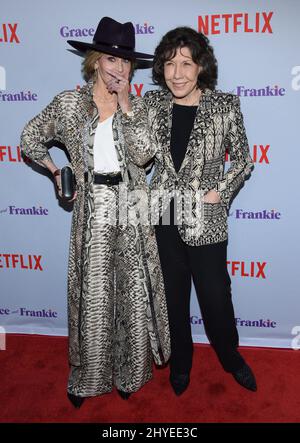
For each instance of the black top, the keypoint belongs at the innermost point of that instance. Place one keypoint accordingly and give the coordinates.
(182, 123)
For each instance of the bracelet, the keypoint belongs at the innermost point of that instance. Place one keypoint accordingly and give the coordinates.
(56, 172)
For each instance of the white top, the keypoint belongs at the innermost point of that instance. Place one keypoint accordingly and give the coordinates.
(105, 156)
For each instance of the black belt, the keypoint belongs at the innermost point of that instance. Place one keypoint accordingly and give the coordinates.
(107, 179)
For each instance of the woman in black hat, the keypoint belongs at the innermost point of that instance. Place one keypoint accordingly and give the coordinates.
(116, 304)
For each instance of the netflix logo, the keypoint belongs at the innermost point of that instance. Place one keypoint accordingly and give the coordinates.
(254, 269)
(8, 33)
(259, 22)
(12, 154)
(259, 154)
(135, 89)
(21, 261)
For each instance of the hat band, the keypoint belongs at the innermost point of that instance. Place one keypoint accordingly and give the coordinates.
(114, 46)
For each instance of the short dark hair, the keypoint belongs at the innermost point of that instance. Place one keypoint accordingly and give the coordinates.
(201, 51)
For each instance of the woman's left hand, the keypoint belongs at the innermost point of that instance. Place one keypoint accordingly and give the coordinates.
(212, 197)
(120, 85)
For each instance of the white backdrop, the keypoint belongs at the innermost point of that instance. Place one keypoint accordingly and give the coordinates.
(257, 47)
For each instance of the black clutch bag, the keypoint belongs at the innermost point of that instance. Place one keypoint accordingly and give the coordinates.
(67, 182)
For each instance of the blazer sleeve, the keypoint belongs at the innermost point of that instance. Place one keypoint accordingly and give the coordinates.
(45, 127)
(241, 163)
(137, 135)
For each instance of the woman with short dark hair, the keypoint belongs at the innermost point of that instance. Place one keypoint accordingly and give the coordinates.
(192, 127)
(201, 53)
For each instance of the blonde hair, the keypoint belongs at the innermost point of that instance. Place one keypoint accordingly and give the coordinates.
(88, 65)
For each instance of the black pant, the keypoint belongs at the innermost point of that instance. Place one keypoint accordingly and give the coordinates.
(208, 268)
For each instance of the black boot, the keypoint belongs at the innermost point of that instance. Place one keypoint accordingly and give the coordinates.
(179, 382)
(124, 395)
(245, 377)
(75, 400)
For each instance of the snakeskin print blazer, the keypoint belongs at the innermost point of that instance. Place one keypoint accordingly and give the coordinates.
(72, 118)
(218, 127)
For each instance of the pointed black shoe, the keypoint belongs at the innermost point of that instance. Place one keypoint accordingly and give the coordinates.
(245, 377)
(179, 382)
(124, 395)
(75, 400)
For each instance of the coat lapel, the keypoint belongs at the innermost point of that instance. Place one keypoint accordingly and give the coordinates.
(87, 116)
(164, 118)
(196, 145)
(120, 145)
(203, 120)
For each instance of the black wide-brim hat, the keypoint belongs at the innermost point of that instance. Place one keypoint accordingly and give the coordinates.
(112, 37)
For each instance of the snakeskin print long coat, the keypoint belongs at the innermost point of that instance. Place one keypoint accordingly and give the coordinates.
(218, 127)
(71, 118)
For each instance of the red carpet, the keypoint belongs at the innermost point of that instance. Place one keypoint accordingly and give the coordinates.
(34, 372)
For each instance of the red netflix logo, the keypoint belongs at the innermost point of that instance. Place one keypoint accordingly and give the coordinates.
(246, 22)
(136, 88)
(21, 261)
(254, 269)
(12, 154)
(8, 33)
(259, 154)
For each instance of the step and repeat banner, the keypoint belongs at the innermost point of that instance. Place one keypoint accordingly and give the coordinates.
(257, 47)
